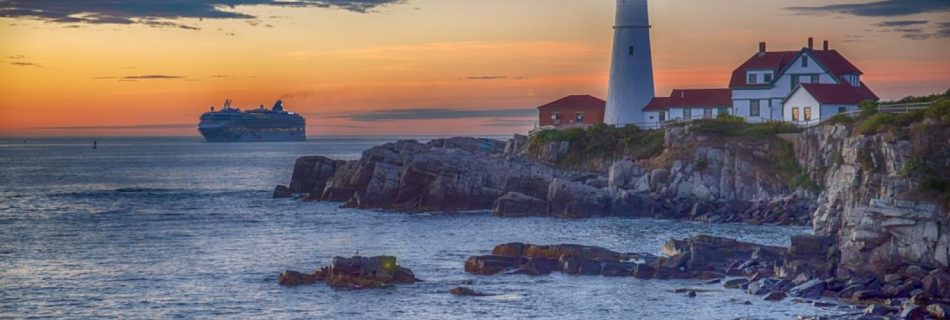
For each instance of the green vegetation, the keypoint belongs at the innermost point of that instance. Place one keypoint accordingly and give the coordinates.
(601, 143)
(736, 127)
(873, 122)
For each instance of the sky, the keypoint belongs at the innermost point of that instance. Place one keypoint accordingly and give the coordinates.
(409, 67)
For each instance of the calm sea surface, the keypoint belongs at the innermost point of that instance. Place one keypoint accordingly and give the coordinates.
(178, 228)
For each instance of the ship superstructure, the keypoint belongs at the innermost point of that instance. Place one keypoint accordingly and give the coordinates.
(231, 124)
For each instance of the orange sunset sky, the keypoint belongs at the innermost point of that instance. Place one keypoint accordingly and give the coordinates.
(410, 67)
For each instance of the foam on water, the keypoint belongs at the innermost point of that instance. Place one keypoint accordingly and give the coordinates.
(169, 228)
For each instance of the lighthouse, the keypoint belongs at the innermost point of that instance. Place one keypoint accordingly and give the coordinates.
(631, 65)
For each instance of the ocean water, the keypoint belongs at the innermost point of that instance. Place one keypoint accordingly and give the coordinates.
(178, 228)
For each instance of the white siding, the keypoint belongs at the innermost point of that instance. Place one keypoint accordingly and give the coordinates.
(780, 90)
(800, 100)
(830, 110)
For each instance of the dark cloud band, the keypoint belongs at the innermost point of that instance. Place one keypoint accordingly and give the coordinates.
(149, 12)
(886, 8)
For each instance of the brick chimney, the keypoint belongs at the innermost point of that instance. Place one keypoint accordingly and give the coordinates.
(825, 45)
(761, 49)
(811, 43)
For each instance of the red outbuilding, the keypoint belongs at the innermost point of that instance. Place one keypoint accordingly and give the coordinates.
(572, 111)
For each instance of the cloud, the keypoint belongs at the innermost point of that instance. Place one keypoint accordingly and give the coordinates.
(155, 13)
(127, 127)
(438, 113)
(152, 77)
(901, 23)
(25, 64)
(885, 8)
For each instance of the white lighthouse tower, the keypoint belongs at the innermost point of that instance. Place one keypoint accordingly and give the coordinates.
(631, 66)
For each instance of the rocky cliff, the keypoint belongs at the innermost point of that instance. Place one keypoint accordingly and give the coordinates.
(876, 201)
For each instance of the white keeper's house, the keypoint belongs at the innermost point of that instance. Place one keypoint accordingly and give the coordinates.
(802, 87)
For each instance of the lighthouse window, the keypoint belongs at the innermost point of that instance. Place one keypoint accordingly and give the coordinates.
(631, 50)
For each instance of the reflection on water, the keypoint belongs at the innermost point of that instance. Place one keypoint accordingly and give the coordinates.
(159, 228)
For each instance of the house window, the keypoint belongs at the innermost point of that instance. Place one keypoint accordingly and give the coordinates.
(795, 81)
(753, 78)
(842, 109)
(707, 113)
(662, 116)
(723, 111)
(794, 113)
(754, 108)
(804, 61)
(687, 113)
(555, 116)
(814, 78)
(579, 118)
(807, 113)
(768, 78)
(631, 50)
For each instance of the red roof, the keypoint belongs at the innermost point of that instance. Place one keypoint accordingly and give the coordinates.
(692, 98)
(842, 93)
(775, 61)
(834, 62)
(577, 101)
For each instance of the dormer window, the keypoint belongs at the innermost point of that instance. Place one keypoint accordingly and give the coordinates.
(753, 78)
(768, 78)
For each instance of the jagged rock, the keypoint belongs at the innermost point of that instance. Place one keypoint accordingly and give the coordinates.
(811, 289)
(764, 286)
(913, 312)
(735, 283)
(862, 295)
(538, 266)
(879, 310)
(514, 249)
(938, 311)
(367, 272)
(282, 192)
(937, 283)
(467, 292)
(489, 265)
(618, 269)
(570, 199)
(294, 278)
(515, 204)
(311, 174)
(644, 271)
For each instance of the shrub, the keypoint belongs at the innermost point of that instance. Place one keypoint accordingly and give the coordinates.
(868, 107)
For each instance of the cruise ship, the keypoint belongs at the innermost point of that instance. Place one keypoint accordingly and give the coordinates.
(231, 124)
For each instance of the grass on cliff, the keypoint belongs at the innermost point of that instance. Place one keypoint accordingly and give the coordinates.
(601, 143)
(736, 127)
(873, 122)
(927, 130)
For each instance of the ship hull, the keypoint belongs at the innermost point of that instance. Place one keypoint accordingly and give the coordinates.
(251, 135)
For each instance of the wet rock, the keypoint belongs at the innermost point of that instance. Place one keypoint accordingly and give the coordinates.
(515, 249)
(294, 278)
(913, 312)
(618, 269)
(538, 266)
(764, 286)
(939, 311)
(867, 295)
(644, 271)
(937, 283)
(691, 293)
(516, 204)
(466, 292)
(774, 296)
(367, 272)
(807, 246)
(282, 192)
(572, 250)
(810, 289)
(879, 310)
(589, 268)
(735, 283)
(489, 265)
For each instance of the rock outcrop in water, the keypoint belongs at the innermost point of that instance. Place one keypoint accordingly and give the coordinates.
(354, 273)
(461, 174)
